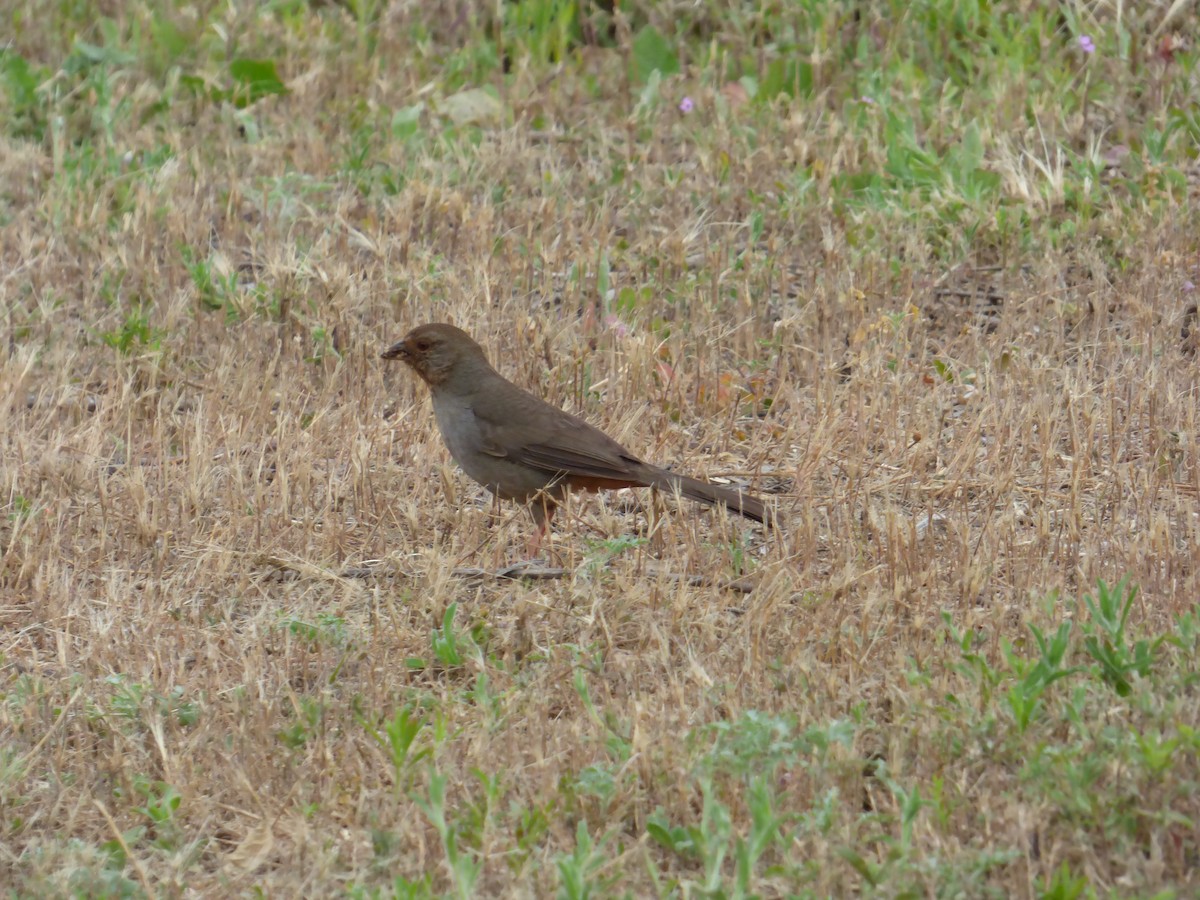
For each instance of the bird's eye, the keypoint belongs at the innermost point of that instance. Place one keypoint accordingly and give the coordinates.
(423, 345)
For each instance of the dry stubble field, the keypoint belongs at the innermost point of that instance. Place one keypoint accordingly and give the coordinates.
(242, 652)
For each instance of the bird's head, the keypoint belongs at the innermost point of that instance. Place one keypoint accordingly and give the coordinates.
(436, 351)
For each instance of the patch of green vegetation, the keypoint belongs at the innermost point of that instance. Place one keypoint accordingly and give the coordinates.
(135, 335)
(247, 81)
(25, 110)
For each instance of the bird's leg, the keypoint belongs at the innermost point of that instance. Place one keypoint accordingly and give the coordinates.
(542, 508)
(497, 549)
(655, 517)
(535, 541)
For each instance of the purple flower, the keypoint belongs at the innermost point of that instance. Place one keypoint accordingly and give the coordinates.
(685, 105)
(1188, 287)
(1086, 44)
(617, 327)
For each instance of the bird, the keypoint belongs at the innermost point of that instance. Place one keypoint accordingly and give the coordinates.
(522, 448)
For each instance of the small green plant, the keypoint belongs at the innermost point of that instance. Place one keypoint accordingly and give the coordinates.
(328, 630)
(1187, 630)
(160, 803)
(367, 15)
(322, 345)
(464, 869)
(751, 749)
(480, 809)
(765, 825)
(601, 553)
(248, 81)
(974, 666)
(823, 815)
(944, 369)
(908, 804)
(26, 112)
(134, 335)
(711, 837)
(740, 561)
(1105, 639)
(485, 698)
(107, 878)
(415, 889)
(577, 870)
(127, 698)
(1157, 751)
(216, 290)
(134, 702)
(20, 509)
(175, 704)
(541, 30)
(597, 781)
(532, 823)
(451, 647)
(676, 838)
(1025, 696)
(401, 889)
(652, 53)
(617, 737)
(1063, 884)
(309, 716)
(759, 742)
(708, 841)
(399, 735)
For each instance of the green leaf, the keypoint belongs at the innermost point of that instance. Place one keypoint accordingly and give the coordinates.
(407, 120)
(652, 53)
(93, 54)
(197, 85)
(22, 84)
(254, 79)
(791, 77)
(171, 42)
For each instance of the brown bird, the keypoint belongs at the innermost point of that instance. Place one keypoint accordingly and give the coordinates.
(522, 448)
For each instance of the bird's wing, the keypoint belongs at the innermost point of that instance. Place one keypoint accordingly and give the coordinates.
(535, 434)
(581, 462)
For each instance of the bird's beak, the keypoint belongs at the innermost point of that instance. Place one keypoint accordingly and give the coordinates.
(398, 350)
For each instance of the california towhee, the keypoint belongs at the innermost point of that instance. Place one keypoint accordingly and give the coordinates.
(522, 448)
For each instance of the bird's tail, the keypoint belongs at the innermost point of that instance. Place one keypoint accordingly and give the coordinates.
(733, 499)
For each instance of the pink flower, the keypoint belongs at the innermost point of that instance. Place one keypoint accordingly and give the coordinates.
(616, 326)
(1086, 44)
(685, 105)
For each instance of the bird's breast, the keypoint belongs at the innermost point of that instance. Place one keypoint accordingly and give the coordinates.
(460, 430)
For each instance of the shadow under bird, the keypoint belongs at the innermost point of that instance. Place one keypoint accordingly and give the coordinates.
(520, 447)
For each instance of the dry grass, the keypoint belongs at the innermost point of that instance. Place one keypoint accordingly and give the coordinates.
(178, 516)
